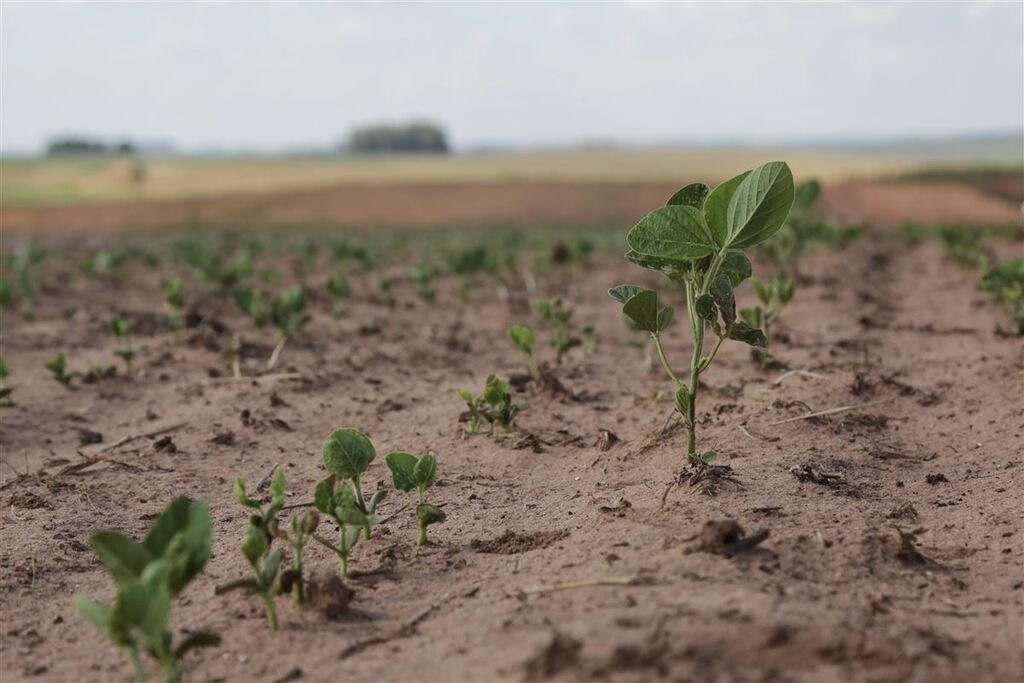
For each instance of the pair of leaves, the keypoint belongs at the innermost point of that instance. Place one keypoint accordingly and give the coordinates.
(347, 453)
(640, 305)
(181, 535)
(410, 472)
(718, 307)
(695, 224)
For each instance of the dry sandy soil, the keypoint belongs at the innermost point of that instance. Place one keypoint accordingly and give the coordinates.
(933, 457)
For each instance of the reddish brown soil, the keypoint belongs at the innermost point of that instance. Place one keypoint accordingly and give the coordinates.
(445, 204)
(829, 595)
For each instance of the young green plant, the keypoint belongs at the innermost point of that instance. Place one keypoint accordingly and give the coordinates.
(148, 576)
(122, 331)
(339, 290)
(5, 391)
(559, 318)
(347, 454)
(697, 239)
(494, 405)
(524, 340)
(58, 367)
(409, 472)
(264, 581)
(288, 315)
(772, 298)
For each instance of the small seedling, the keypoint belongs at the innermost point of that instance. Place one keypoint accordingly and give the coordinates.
(265, 519)
(339, 290)
(383, 285)
(8, 294)
(148, 576)
(121, 329)
(303, 528)
(5, 391)
(1005, 284)
(250, 302)
(58, 368)
(697, 239)
(422, 278)
(410, 472)
(347, 454)
(339, 503)
(494, 405)
(174, 299)
(524, 340)
(288, 315)
(558, 316)
(772, 298)
(264, 581)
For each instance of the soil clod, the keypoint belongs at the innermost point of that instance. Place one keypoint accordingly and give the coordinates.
(727, 537)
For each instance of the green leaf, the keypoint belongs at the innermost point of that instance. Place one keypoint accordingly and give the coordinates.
(467, 396)
(194, 640)
(642, 309)
(522, 337)
(806, 193)
(170, 522)
(623, 293)
(95, 613)
(741, 331)
(350, 514)
(254, 545)
(716, 209)
(708, 457)
(428, 514)
(665, 318)
(751, 316)
(672, 232)
(674, 269)
(270, 569)
(693, 195)
(736, 265)
(759, 206)
(704, 306)
(241, 497)
(323, 496)
(124, 558)
(786, 287)
(425, 471)
(277, 485)
(683, 401)
(347, 453)
(721, 292)
(763, 291)
(496, 391)
(402, 466)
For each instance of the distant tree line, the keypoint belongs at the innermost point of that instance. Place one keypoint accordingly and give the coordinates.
(414, 137)
(80, 145)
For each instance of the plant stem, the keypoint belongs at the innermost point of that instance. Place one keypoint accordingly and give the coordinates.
(664, 360)
(271, 611)
(140, 671)
(698, 346)
(421, 539)
(361, 502)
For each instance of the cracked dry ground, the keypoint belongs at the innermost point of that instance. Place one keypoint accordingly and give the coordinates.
(834, 593)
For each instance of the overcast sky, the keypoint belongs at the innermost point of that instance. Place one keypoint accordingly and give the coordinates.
(274, 76)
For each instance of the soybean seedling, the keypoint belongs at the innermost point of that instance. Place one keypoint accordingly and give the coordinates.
(288, 315)
(347, 454)
(772, 298)
(524, 340)
(264, 581)
(5, 391)
(265, 518)
(58, 368)
(697, 239)
(121, 329)
(558, 316)
(339, 503)
(422, 278)
(494, 405)
(409, 472)
(339, 290)
(1005, 284)
(148, 576)
(174, 299)
(303, 528)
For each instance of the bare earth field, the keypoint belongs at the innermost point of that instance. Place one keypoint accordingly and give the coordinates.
(906, 565)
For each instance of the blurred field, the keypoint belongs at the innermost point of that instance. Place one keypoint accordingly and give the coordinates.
(28, 182)
(579, 187)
